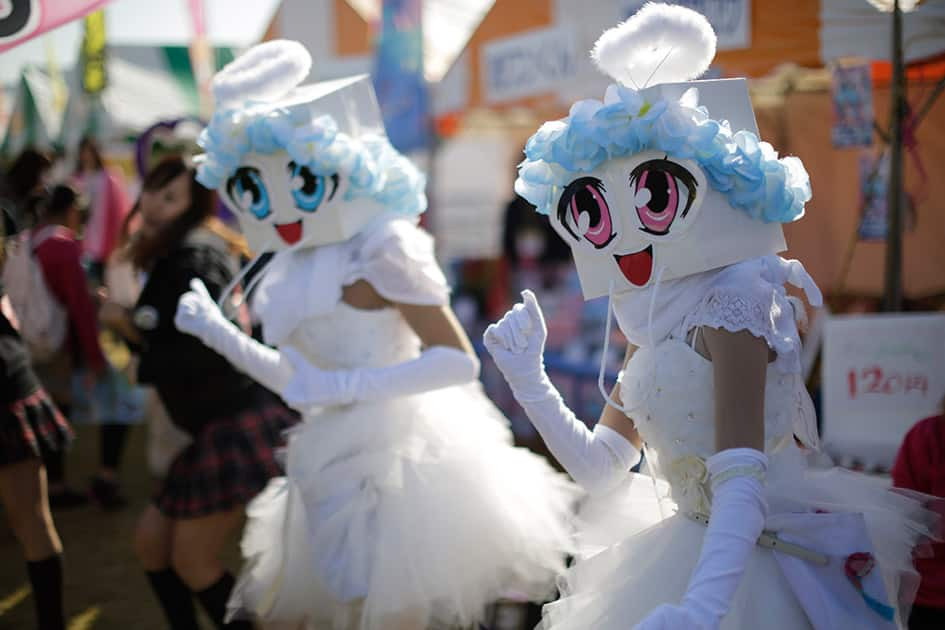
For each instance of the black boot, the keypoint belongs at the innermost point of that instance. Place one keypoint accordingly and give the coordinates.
(46, 580)
(214, 598)
(175, 598)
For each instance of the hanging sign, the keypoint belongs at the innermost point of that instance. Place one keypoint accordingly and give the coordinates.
(852, 106)
(533, 63)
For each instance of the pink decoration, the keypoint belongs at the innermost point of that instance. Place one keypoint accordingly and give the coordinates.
(22, 20)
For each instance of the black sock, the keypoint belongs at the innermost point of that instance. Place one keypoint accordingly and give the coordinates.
(46, 580)
(175, 599)
(214, 598)
(113, 437)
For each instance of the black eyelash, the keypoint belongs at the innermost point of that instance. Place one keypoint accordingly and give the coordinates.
(240, 172)
(569, 192)
(334, 186)
(334, 179)
(676, 170)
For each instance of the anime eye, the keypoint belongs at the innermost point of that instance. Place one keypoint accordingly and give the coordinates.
(308, 189)
(662, 190)
(584, 212)
(247, 190)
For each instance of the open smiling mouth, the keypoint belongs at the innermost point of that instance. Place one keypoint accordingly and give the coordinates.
(636, 267)
(290, 232)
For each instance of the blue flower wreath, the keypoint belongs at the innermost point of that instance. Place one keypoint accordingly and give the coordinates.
(372, 166)
(738, 165)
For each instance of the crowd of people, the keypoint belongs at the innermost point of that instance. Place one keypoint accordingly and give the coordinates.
(341, 417)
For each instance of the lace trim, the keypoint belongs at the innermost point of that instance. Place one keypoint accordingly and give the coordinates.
(734, 311)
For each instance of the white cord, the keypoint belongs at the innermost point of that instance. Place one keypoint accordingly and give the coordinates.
(228, 290)
(603, 356)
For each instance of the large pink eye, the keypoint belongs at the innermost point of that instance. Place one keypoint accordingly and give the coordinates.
(584, 212)
(657, 194)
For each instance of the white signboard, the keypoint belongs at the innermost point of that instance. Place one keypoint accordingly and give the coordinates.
(731, 19)
(529, 64)
(881, 374)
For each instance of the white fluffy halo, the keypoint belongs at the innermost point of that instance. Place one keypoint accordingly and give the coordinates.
(263, 73)
(660, 43)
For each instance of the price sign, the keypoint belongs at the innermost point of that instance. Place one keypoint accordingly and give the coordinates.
(881, 374)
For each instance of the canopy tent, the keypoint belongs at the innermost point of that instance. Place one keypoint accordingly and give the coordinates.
(146, 84)
(134, 98)
(34, 119)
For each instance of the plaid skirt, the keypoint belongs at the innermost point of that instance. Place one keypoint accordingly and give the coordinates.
(31, 426)
(229, 462)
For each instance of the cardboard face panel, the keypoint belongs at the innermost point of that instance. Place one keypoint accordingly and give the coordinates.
(280, 204)
(634, 215)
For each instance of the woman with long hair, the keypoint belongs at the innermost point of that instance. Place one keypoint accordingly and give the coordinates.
(30, 425)
(236, 424)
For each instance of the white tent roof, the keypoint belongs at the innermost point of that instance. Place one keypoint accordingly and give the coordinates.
(134, 99)
(855, 28)
(233, 23)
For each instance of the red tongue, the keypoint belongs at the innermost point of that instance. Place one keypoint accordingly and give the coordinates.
(290, 232)
(637, 267)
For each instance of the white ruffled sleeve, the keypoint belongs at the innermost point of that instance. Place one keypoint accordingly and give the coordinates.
(397, 258)
(751, 296)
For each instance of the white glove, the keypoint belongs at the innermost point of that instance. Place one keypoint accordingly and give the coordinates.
(437, 367)
(198, 315)
(738, 518)
(598, 460)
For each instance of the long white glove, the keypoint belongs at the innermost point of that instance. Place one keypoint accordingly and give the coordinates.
(198, 315)
(598, 460)
(738, 517)
(436, 367)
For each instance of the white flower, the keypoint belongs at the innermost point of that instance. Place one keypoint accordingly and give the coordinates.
(688, 476)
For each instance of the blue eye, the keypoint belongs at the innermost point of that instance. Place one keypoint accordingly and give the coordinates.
(308, 189)
(247, 190)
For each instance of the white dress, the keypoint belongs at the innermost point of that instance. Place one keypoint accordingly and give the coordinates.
(416, 503)
(647, 544)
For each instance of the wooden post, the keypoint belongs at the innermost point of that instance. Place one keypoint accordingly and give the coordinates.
(893, 278)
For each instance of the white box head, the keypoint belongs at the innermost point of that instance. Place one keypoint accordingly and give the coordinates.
(664, 180)
(701, 231)
(301, 165)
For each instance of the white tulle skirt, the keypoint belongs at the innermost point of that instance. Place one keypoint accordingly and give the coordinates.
(416, 506)
(640, 553)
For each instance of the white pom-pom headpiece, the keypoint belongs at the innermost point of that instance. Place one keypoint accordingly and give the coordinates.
(660, 43)
(263, 73)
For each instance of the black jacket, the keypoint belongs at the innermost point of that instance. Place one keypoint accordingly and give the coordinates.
(195, 383)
